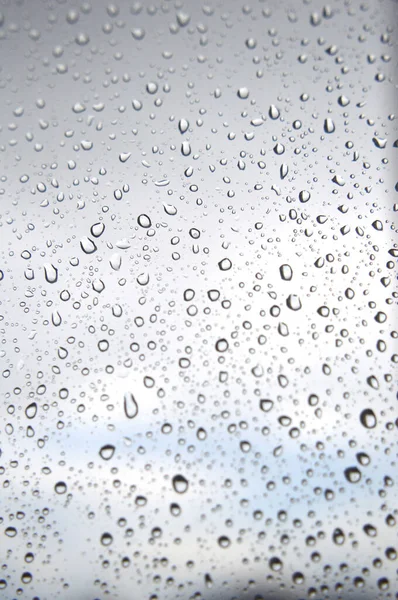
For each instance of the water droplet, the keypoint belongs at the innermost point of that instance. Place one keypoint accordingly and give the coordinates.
(370, 530)
(338, 536)
(87, 245)
(130, 406)
(138, 33)
(107, 451)
(368, 418)
(180, 484)
(60, 487)
(329, 126)
(273, 112)
(51, 273)
(266, 405)
(275, 564)
(183, 18)
(31, 410)
(293, 302)
(124, 156)
(144, 221)
(143, 279)
(175, 509)
(169, 209)
(353, 474)
(225, 264)
(224, 541)
(97, 229)
(106, 539)
(304, 196)
(183, 125)
(286, 272)
(222, 345)
(243, 93)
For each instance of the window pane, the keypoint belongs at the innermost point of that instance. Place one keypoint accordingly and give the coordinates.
(198, 300)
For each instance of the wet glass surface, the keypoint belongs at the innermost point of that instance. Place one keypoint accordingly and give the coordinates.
(198, 300)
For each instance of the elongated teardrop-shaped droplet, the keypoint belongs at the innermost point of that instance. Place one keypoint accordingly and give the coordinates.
(130, 406)
(51, 273)
(137, 105)
(87, 245)
(185, 148)
(169, 209)
(329, 126)
(31, 410)
(284, 170)
(183, 125)
(273, 112)
(115, 261)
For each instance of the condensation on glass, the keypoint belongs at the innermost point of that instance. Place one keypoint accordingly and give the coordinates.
(197, 300)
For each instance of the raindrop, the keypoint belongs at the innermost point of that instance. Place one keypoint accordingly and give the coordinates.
(183, 125)
(329, 126)
(87, 245)
(266, 405)
(368, 418)
(144, 221)
(60, 487)
(275, 564)
(353, 474)
(51, 273)
(180, 484)
(97, 229)
(130, 406)
(243, 93)
(31, 410)
(293, 302)
(221, 345)
(286, 272)
(225, 264)
(106, 539)
(224, 541)
(273, 112)
(107, 451)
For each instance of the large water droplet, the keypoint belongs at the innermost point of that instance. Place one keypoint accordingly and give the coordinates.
(353, 474)
(286, 272)
(368, 418)
(144, 221)
(183, 125)
(51, 273)
(107, 451)
(225, 264)
(180, 484)
(130, 406)
(87, 245)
